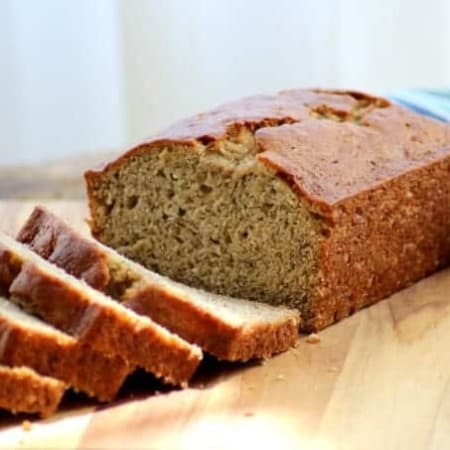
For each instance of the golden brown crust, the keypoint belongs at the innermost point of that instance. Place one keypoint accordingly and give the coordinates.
(23, 390)
(254, 112)
(350, 132)
(329, 161)
(226, 342)
(9, 268)
(50, 237)
(384, 239)
(374, 174)
(105, 329)
(184, 319)
(62, 358)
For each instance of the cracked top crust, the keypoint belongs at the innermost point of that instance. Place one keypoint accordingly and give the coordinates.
(330, 145)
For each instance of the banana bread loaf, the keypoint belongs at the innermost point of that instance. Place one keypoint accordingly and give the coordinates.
(230, 329)
(95, 319)
(326, 201)
(27, 341)
(24, 391)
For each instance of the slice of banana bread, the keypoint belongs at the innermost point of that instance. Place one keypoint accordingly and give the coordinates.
(230, 329)
(326, 201)
(95, 319)
(27, 341)
(24, 391)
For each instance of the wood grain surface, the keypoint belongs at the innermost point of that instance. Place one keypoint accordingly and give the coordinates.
(378, 380)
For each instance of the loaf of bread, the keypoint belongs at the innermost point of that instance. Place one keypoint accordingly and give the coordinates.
(325, 201)
(27, 341)
(228, 328)
(93, 318)
(24, 391)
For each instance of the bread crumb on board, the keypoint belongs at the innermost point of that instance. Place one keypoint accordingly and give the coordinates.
(26, 425)
(280, 377)
(313, 338)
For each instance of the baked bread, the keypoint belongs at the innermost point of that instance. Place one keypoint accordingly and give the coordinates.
(24, 391)
(326, 201)
(95, 319)
(230, 329)
(27, 341)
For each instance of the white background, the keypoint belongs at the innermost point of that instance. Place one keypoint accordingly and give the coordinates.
(93, 75)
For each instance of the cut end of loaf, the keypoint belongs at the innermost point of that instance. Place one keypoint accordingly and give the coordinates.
(211, 216)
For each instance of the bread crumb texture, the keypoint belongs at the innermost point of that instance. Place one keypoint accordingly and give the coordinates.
(313, 338)
(27, 425)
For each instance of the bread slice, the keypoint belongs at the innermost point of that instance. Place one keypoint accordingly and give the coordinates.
(230, 329)
(95, 319)
(22, 390)
(27, 341)
(326, 201)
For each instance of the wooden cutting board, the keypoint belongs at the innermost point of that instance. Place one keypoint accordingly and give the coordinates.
(378, 380)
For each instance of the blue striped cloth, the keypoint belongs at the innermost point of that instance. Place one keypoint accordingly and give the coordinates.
(430, 102)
